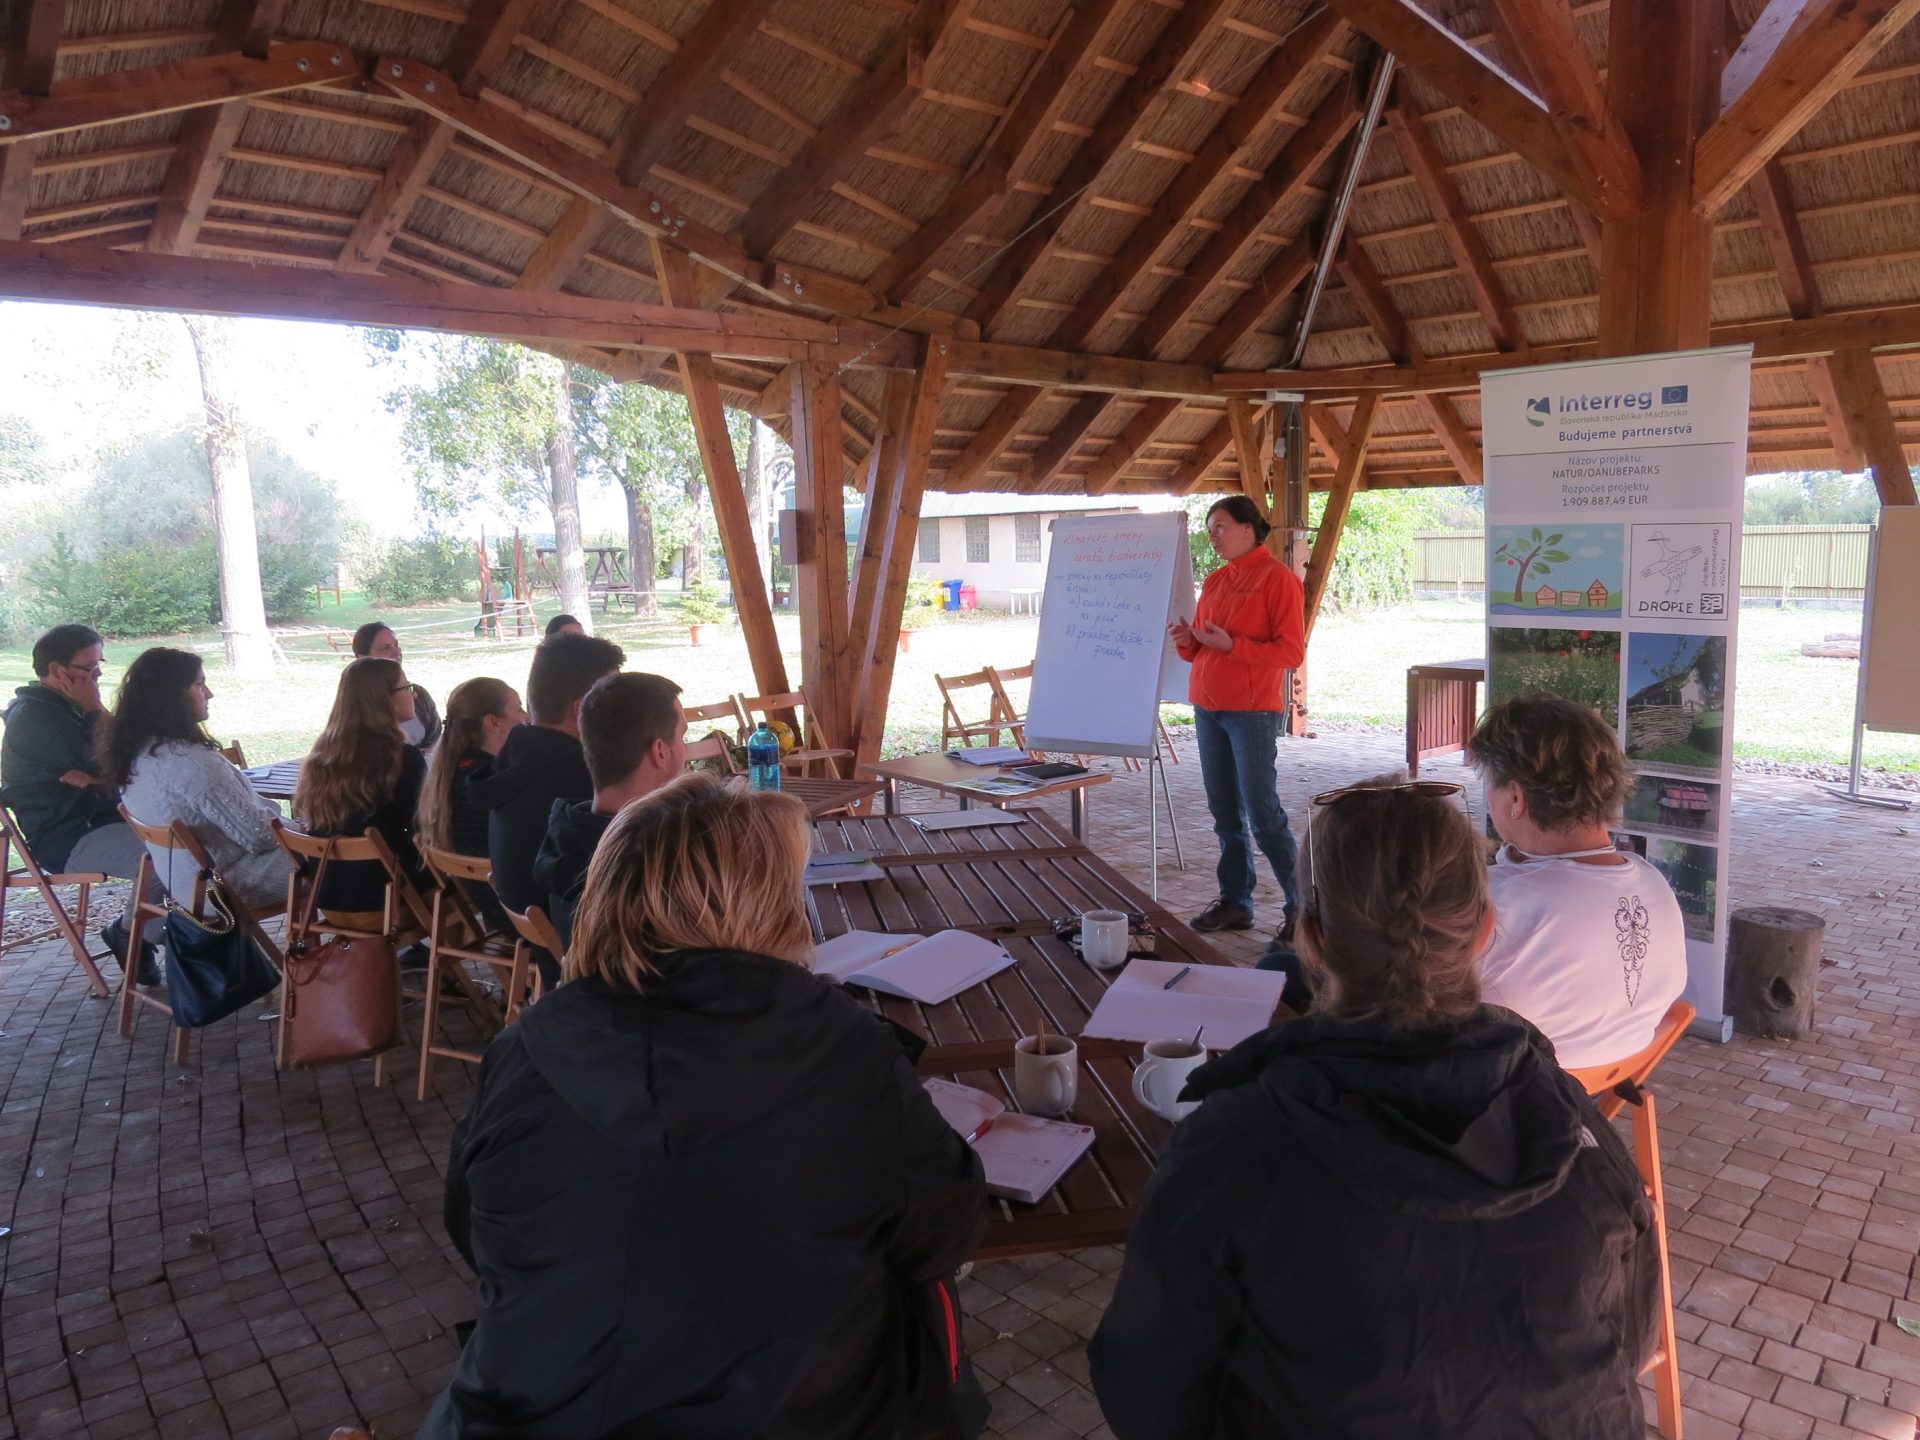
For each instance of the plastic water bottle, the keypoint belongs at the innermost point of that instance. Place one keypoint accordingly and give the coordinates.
(763, 759)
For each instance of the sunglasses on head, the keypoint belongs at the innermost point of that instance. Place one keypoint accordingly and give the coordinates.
(1426, 789)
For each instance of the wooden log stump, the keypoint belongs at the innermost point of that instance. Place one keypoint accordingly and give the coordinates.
(1773, 970)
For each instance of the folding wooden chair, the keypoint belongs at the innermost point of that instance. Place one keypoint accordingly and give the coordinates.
(402, 919)
(1613, 1087)
(727, 710)
(458, 935)
(954, 726)
(236, 754)
(175, 837)
(535, 927)
(712, 747)
(1010, 715)
(815, 746)
(69, 925)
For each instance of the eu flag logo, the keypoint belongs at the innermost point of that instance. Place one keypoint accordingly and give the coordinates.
(1673, 394)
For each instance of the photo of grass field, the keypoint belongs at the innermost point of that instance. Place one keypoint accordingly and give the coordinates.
(1582, 665)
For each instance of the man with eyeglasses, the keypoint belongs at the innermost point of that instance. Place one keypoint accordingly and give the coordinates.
(48, 770)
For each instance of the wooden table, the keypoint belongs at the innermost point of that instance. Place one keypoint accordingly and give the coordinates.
(1442, 704)
(827, 794)
(1011, 883)
(277, 781)
(939, 772)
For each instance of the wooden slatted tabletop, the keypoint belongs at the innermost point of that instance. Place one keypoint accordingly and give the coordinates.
(1011, 883)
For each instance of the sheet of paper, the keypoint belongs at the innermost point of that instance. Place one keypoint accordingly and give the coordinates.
(1025, 1156)
(936, 969)
(1230, 1002)
(844, 874)
(999, 786)
(844, 954)
(964, 820)
(991, 755)
(969, 1111)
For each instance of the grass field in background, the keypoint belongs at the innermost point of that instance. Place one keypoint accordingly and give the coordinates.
(1786, 706)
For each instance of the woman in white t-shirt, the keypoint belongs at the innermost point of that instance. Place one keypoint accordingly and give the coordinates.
(1588, 942)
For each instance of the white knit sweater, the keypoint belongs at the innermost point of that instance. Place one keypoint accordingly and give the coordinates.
(202, 789)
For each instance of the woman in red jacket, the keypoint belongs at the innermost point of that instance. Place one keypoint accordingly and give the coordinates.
(1246, 633)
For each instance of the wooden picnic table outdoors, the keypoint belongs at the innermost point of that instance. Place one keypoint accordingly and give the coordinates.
(944, 773)
(1442, 704)
(1012, 883)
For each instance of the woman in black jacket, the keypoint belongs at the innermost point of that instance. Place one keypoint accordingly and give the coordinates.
(1397, 1216)
(702, 1189)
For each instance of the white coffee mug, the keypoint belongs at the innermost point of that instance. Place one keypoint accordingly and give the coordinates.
(1046, 1074)
(1103, 938)
(1162, 1074)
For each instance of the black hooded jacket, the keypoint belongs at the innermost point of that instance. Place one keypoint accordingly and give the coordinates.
(712, 1208)
(1369, 1234)
(560, 869)
(46, 736)
(536, 767)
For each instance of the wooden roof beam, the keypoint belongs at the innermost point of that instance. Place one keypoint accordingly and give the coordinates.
(1293, 169)
(199, 161)
(1513, 114)
(1349, 449)
(1043, 96)
(30, 44)
(1544, 35)
(1207, 451)
(485, 41)
(872, 111)
(416, 155)
(1134, 108)
(1871, 424)
(1457, 227)
(1798, 53)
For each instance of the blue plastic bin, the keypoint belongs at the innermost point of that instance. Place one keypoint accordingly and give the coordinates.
(952, 587)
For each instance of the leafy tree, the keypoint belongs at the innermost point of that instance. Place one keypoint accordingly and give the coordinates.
(23, 454)
(1534, 556)
(641, 438)
(1374, 565)
(1814, 497)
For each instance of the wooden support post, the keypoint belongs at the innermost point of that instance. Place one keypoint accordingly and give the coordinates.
(737, 538)
(1346, 478)
(1656, 263)
(882, 493)
(29, 45)
(1250, 453)
(896, 557)
(820, 568)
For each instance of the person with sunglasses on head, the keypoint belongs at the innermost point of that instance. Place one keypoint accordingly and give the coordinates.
(1247, 631)
(1396, 1216)
(1590, 945)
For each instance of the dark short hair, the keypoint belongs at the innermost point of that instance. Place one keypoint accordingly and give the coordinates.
(364, 637)
(619, 721)
(1563, 756)
(60, 644)
(558, 623)
(564, 669)
(1242, 509)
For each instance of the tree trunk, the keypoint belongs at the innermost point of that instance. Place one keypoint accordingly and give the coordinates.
(563, 490)
(693, 555)
(1773, 970)
(243, 609)
(641, 565)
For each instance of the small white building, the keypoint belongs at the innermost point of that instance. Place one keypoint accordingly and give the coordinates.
(998, 543)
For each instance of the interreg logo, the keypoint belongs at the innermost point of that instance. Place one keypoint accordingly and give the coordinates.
(1538, 411)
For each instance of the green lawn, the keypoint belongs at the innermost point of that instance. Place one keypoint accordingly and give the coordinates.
(1787, 707)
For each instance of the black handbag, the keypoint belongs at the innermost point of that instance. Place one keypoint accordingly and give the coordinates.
(214, 965)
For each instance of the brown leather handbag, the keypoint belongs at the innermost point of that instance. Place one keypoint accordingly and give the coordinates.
(343, 994)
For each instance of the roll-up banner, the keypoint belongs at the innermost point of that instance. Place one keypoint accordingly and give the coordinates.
(1614, 491)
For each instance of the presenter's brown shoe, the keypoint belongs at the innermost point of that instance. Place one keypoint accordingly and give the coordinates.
(1223, 915)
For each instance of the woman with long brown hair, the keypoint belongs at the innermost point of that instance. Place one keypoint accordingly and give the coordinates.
(1397, 1215)
(703, 1190)
(362, 775)
(480, 715)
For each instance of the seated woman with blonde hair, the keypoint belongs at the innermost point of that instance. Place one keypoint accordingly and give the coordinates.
(702, 1189)
(1396, 1216)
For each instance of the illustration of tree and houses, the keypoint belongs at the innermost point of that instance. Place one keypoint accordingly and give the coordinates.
(1533, 556)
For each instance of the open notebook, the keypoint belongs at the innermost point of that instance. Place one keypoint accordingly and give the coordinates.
(1024, 1156)
(929, 968)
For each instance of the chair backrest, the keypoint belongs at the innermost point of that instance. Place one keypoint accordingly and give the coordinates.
(236, 754)
(309, 852)
(978, 679)
(175, 836)
(711, 747)
(998, 677)
(811, 737)
(533, 926)
(727, 709)
(1600, 1081)
(452, 874)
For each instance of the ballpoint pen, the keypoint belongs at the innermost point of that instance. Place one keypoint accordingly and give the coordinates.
(1185, 970)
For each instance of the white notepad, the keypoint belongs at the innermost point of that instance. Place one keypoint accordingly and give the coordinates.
(1230, 1002)
(821, 870)
(991, 755)
(970, 1111)
(965, 820)
(929, 969)
(1025, 1156)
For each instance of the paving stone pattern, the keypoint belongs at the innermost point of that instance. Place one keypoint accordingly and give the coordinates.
(223, 1250)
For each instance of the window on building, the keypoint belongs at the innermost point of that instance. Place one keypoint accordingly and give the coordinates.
(977, 551)
(930, 542)
(1026, 539)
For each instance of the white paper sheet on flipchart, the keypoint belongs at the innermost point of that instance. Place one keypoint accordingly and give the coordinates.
(967, 819)
(930, 970)
(990, 755)
(1230, 1002)
(1025, 1156)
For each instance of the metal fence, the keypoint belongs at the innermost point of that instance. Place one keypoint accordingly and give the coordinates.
(1827, 562)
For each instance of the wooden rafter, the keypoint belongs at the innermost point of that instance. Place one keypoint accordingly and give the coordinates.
(193, 174)
(1512, 113)
(1207, 451)
(872, 111)
(1134, 108)
(1293, 169)
(564, 247)
(485, 41)
(1457, 227)
(124, 95)
(1871, 423)
(249, 27)
(1136, 435)
(1064, 440)
(881, 492)
(1789, 65)
(1043, 96)
(409, 170)
(1349, 448)
(30, 44)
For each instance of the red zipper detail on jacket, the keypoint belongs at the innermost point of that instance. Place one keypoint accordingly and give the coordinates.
(953, 1333)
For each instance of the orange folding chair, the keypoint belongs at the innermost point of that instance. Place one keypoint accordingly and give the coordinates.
(69, 925)
(1613, 1087)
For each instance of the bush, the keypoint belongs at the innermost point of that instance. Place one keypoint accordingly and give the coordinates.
(129, 590)
(702, 606)
(436, 567)
(926, 598)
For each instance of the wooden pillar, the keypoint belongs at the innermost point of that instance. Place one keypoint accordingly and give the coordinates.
(1333, 521)
(881, 491)
(820, 567)
(1663, 86)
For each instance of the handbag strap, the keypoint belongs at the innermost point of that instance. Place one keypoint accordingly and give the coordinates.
(302, 927)
(219, 917)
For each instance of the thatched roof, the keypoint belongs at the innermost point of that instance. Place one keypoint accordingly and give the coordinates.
(776, 141)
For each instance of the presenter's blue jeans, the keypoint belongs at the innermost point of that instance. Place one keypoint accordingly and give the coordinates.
(1237, 766)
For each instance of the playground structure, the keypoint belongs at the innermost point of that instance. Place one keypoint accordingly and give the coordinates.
(506, 593)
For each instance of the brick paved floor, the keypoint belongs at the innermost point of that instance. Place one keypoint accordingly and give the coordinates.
(222, 1250)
